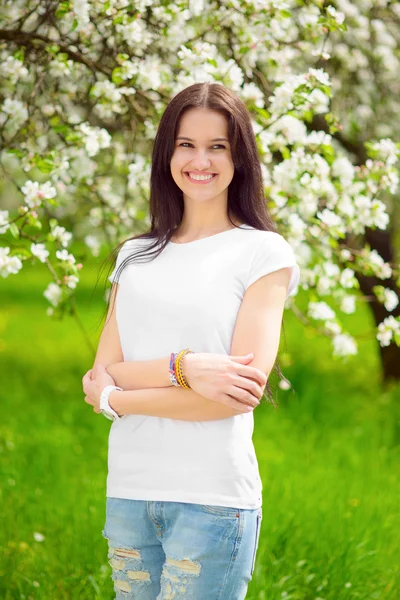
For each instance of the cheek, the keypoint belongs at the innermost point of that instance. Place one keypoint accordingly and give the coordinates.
(177, 162)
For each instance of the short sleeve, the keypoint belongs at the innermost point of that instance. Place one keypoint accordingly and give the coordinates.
(272, 254)
(122, 254)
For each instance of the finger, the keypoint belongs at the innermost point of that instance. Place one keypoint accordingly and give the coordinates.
(243, 394)
(251, 386)
(88, 400)
(86, 378)
(234, 402)
(253, 373)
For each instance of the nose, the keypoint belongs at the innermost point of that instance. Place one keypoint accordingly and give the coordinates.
(201, 161)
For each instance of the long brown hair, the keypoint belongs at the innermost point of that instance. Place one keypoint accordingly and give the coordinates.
(246, 201)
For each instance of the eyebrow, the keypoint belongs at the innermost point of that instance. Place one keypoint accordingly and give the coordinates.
(220, 139)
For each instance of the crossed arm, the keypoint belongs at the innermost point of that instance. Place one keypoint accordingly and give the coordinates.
(146, 384)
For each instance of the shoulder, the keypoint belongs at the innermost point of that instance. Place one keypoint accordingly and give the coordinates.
(269, 241)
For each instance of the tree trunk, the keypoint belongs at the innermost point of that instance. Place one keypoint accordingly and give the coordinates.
(380, 240)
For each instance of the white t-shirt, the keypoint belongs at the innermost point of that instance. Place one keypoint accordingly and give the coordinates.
(189, 296)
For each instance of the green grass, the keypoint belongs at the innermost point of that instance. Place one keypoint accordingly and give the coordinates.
(328, 457)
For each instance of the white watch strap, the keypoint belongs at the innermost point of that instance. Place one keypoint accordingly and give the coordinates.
(105, 407)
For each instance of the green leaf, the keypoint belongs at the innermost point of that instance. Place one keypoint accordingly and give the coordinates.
(62, 9)
(262, 112)
(116, 76)
(53, 49)
(308, 115)
(46, 165)
(23, 252)
(14, 230)
(20, 54)
(119, 20)
(16, 152)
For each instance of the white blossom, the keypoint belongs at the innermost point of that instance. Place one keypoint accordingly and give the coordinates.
(375, 261)
(81, 10)
(284, 385)
(60, 234)
(344, 345)
(71, 281)
(40, 251)
(95, 138)
(320, 310)
(16, 110)
(387, 151)
(291, 128)
(347, 278)
(337, 15)
(13, 69)
(391, 299)
(386, 329)
(4, 221)
(36, 192)
(343, 169)
(348, 304)
(9, 265)
(64, 256)
(53, 294)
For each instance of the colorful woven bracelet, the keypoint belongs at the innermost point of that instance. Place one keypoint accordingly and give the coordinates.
(172, 371)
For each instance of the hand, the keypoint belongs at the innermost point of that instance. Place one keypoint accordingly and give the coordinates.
(94, 382)
(225, 379)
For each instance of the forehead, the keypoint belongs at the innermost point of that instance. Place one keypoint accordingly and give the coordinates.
(203, 123)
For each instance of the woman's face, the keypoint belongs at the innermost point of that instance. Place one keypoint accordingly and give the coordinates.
(202, 152)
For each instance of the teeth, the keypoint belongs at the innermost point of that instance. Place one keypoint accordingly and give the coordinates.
(200, 177)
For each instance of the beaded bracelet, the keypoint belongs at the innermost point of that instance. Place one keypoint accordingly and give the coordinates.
(176, 375)
(179, 368)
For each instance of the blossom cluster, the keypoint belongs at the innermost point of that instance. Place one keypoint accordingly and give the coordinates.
(110, 69)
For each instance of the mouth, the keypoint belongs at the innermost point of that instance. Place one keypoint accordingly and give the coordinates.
(200, 181)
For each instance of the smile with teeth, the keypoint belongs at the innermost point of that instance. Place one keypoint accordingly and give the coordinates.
(200, 178)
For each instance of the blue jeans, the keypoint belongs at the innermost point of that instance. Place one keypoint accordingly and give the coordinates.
(164, 550)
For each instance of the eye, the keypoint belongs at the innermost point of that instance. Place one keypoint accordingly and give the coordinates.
(220, 145)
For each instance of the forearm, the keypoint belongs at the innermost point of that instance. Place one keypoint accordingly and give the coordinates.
(170, 402)
(141, 374)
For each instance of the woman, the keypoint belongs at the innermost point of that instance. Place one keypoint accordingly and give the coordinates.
(173, 367)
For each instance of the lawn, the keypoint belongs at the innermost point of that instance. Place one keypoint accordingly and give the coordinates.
(328, 458)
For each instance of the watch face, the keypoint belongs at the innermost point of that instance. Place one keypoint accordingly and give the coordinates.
(107, 414)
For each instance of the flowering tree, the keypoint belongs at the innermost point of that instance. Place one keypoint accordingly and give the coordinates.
(83, 86)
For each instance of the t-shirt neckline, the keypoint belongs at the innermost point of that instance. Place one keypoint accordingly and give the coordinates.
(209, 237)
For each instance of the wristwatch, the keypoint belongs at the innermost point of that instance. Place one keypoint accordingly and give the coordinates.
(105, 408)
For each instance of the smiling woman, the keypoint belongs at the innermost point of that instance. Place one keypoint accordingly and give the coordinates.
(198, 326)
(203, 170)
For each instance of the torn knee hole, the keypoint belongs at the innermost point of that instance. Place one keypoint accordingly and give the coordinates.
(122, 585)
(125, 553)
(116, 564)
(186, 565)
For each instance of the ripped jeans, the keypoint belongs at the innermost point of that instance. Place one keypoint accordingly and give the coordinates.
(180, 551)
